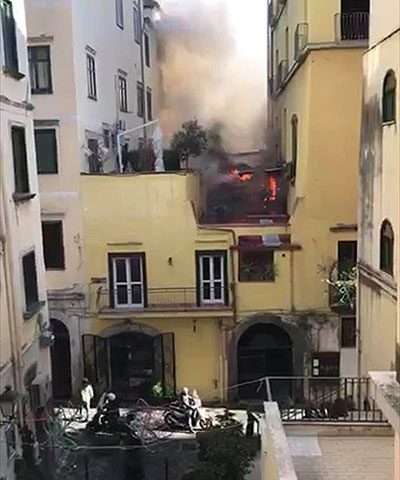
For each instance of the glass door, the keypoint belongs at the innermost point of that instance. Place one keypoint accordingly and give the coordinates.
(212, 281)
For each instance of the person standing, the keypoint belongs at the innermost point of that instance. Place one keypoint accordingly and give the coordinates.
(87, 393)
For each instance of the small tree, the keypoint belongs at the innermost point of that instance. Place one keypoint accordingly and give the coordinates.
(190, 140)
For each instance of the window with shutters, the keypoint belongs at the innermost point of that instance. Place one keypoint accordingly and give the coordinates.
(127, 280)
(91, 76)
(140, 99)
(53, 245)
(136, 23)
(147, 49)
(20, 161)
(40, 69)
(46, 150)
(30, 281)
(386, 247)
(10, 50)
(149, 103)
(389, 98)
(123, 93)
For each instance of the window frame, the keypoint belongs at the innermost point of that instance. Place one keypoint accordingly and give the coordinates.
(20, 189)
(119, 13)
(33, 61)
(61, 265)
(386, 248)
(389, 98)
(147, 53)
(30, 304)
(149, 103)
(318, 356)
(137, 24)
(224, 301)
(91, 76)
(348, 340)
(294, 125)
(140, 99)
(47, 129)
(123, 93)
(264, 251)
(113, 283)
(10, 50)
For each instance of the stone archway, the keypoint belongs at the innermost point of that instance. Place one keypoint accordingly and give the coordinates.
(273, 347)
(61, 360)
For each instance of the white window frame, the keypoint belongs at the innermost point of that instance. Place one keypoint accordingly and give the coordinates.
(119, 13)
(129, 283)
(211, 281)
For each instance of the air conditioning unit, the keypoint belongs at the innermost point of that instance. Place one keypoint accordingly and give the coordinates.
(40, 390)
(121, 125)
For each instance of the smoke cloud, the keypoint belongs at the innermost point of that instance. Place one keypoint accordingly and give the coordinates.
(206, 76)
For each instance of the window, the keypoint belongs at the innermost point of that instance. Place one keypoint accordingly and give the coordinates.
(347, 257)
(127, 280)
(257, 266)
(123, 94)
(325, 364)
(53, 245)
(140, 99)
(119, 13)
(9, 36)
(40, 69)
(46, 150)
(294, 147)
(389, 98)
(94, 157)
(106, 137)
(147, 49)
(30, 281)
(21, 177)
(149, 104)
(91, 76)
(136, 23)
(212, 278)
(386, 247)
(348, 333)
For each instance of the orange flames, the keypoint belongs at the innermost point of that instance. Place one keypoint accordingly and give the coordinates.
(243, 177)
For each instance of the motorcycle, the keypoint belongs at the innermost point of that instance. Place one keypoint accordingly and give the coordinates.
(177, 416)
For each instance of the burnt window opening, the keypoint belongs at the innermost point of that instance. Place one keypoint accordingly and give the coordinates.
(325, 364)
(30, 281)
(348, 332)
(386, 247)
(389, 98)
(46, 150)
(256, 266)
(53, 245)
(20, 161)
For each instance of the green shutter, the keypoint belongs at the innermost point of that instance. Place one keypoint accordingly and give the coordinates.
(46, 150)
(9, 36)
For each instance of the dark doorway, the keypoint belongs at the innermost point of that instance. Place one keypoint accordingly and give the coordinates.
(139, 361)
(354, 19)
(61, 361)
(264, 350)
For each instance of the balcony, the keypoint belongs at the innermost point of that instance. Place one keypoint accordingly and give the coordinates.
(283, 69)
(180, 299)
(300, 40)
(352, 26)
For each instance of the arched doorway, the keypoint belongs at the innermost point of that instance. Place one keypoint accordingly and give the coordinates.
(61, 360)
(264, 350)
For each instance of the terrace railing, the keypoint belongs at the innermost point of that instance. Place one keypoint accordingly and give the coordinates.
(352, 26)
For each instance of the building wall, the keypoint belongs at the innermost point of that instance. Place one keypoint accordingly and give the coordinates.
(379, 194)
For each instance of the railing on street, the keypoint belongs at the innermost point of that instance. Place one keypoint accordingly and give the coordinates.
(159, 299)
(283, 69)
(352, 26)
(300, 39)
(324, 399)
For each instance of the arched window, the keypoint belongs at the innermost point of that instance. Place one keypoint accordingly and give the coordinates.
(386, 247)
(295, 124)
(389, 97)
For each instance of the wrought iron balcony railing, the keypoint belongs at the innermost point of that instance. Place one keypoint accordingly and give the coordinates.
(343, 288)
(180, 299)
(283, 69)
(300, 39)
(352, 26)
(323, 399)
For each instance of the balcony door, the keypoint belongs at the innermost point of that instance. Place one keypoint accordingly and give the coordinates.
(212, 278)
(127, 280)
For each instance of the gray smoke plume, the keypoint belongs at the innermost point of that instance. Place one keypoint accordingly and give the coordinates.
(205, 77)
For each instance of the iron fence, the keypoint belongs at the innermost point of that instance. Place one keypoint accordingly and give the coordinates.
(326, 399)
(352, 26)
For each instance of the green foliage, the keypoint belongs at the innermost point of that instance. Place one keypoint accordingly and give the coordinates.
(171, 161)
(191, 139)
(157, 390)
(225, 450)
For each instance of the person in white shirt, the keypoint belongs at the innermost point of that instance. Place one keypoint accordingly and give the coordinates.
(87, 394)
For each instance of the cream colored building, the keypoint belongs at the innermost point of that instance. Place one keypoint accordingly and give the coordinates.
(92, 77)
(379, 258)
(24, 340)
